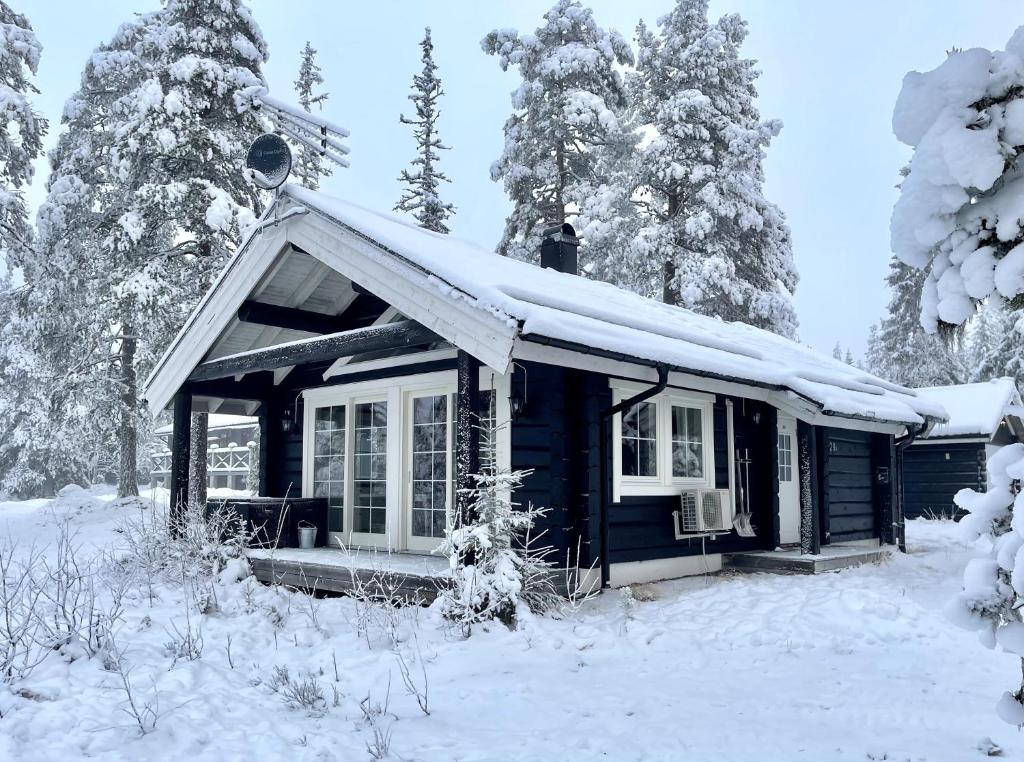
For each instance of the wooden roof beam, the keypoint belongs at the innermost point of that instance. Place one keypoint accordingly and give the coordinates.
(379, 338)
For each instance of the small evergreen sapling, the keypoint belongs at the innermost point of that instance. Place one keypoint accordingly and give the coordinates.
(492, 556)
(422, 181)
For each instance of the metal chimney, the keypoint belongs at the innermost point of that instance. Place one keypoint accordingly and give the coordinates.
(559, 249)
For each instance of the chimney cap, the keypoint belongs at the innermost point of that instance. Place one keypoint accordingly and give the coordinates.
(561, 232)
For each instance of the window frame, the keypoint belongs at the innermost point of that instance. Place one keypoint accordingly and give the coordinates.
(664, 483)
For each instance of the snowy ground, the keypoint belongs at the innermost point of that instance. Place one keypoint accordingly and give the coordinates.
(855, 665)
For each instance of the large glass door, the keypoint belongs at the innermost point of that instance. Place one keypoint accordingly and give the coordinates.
(370, 472)
(429, 455)
(329, 445)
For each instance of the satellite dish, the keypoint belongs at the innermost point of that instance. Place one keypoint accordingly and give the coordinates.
(269, 161)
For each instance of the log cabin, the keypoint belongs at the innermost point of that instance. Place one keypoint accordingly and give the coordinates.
(662, 443)
(982, 418)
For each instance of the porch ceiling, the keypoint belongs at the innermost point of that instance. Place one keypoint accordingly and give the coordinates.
(296, 280)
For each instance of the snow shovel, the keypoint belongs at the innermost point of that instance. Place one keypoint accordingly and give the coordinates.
(742, 523)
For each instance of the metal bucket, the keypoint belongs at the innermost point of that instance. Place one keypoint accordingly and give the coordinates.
(307, 538)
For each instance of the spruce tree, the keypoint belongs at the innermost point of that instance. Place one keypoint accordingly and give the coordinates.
(309, 165)
(165, 113)
(423, 179)
(900, 350)
(21, 130)
(566, 110)
(723, 248)
(997, 343)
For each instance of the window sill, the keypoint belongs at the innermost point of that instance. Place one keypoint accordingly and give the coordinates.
(663, 489)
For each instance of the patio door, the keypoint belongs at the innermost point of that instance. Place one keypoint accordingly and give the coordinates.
(369, 482)
(789, 487)
(428, 454)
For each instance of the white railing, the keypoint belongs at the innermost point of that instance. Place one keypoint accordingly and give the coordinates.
(233, 459)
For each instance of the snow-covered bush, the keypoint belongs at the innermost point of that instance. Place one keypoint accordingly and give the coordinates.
(993, 592)
(962, 201)
(495, 562)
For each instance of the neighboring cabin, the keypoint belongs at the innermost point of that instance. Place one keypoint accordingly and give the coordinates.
(368, 348)
(228, 458)
(982, 418)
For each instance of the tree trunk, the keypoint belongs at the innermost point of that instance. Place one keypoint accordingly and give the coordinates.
(670, 290)
(128, 427)
(197, 459)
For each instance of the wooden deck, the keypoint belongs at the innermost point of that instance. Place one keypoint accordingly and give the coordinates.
(385, 576)
(831, 558)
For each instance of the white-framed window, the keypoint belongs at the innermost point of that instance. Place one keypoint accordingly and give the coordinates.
(785, 458)
(663, 444)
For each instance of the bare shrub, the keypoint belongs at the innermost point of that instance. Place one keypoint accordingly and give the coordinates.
(76, 604)
(305, 694)
(143, 709)
(20, 651)
(382, 601)
(376, 717)
(419, 690)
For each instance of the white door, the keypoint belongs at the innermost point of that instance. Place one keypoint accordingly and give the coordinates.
(789, 482)
(428, 483)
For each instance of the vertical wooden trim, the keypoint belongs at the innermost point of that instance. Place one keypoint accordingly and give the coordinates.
(776, 507)
(467, 433)
(265, 423)
(181, 436)
(824, 445)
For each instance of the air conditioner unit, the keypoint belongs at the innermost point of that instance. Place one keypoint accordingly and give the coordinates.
(704, 510)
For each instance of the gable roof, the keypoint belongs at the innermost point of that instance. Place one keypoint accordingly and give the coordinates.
(499, 298)
(974, 409)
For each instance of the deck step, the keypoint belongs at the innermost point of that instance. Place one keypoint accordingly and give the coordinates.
(792, 562)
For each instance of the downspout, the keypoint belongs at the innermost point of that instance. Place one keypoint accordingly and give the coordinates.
(901, 444)
(606, 435)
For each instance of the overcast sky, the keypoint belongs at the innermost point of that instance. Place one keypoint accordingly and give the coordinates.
(831, 73)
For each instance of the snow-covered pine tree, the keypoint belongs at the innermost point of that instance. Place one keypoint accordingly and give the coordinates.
(166, 112)
(422, 181)
(566, 110)
(837, 352)
(723, 248)
(309, 165)
(35, 457)
(958, 218)
(900, 350)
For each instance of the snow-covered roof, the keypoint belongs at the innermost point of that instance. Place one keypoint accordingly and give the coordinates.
(217, 421)
(588, 313)
(974, 409)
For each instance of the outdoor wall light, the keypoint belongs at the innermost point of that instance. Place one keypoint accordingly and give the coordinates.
(290, 417)
(516, 405)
